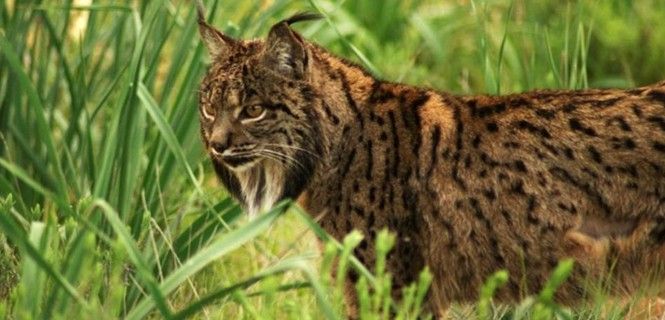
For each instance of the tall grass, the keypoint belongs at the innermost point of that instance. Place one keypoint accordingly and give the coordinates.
(108, 207)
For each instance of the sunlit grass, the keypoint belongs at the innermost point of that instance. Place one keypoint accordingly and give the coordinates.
(108, 205)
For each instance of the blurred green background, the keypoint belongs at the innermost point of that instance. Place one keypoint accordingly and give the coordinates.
(108, 205)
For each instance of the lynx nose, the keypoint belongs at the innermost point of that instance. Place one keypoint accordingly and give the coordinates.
(219, 141)
(218, 147)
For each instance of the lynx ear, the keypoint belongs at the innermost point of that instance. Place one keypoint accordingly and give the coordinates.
(286, 51)
(215, 41)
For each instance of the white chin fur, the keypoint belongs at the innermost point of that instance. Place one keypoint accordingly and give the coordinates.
(268, 194)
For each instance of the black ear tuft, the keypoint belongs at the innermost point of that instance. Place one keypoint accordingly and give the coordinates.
(302, 16)
(200, 12)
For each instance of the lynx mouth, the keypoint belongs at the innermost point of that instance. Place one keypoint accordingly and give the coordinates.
(235, 160)
(238, 160)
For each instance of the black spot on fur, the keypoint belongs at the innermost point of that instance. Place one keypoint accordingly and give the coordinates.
(476, 141)
(657, 234)
(569, 108)
(490, 194)
(658, 96)
(545, 114)
(563, 175)
(528, 126)
(378, 94)
(576, 125)
(595, 155)
(531, 217)
(511, 145)
(383, 136)
(659, 146)
(659, 121)
(517, 187)
(487, 111)
(492, 127)
(621, 122)
(436, 136)
(520, 166)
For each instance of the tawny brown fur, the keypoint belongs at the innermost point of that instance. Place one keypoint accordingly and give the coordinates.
(470, 184)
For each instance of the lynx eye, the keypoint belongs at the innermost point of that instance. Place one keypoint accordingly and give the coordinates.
(208, 111)
(253, 112)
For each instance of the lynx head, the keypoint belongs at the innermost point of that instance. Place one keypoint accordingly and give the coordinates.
(256, 106)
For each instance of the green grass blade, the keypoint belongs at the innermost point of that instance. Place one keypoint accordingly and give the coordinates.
(167, 134)
(134, 254)
(93, 7)
(502, 48)
(34, 279)
(298, 263)
(203, 230)
(13, 62)
(229, 242)
(19, 173)
(550, 55)
(18, 237)
(363, 58)
(324, 236)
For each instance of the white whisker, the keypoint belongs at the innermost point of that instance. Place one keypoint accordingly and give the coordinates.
(271, 157)
(283, 157)
(292, 147)
(279, 157)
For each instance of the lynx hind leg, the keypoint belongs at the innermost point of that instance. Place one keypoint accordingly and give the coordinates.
(437, 303)
(645, 309)
(636, 263)
(657, 233)
(639, 260)
(652, 251)
(351, 300)
(658, 236)
(658, 308)
(591, 241)
(587, 250)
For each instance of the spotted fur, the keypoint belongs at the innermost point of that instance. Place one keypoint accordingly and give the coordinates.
(470, 184)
